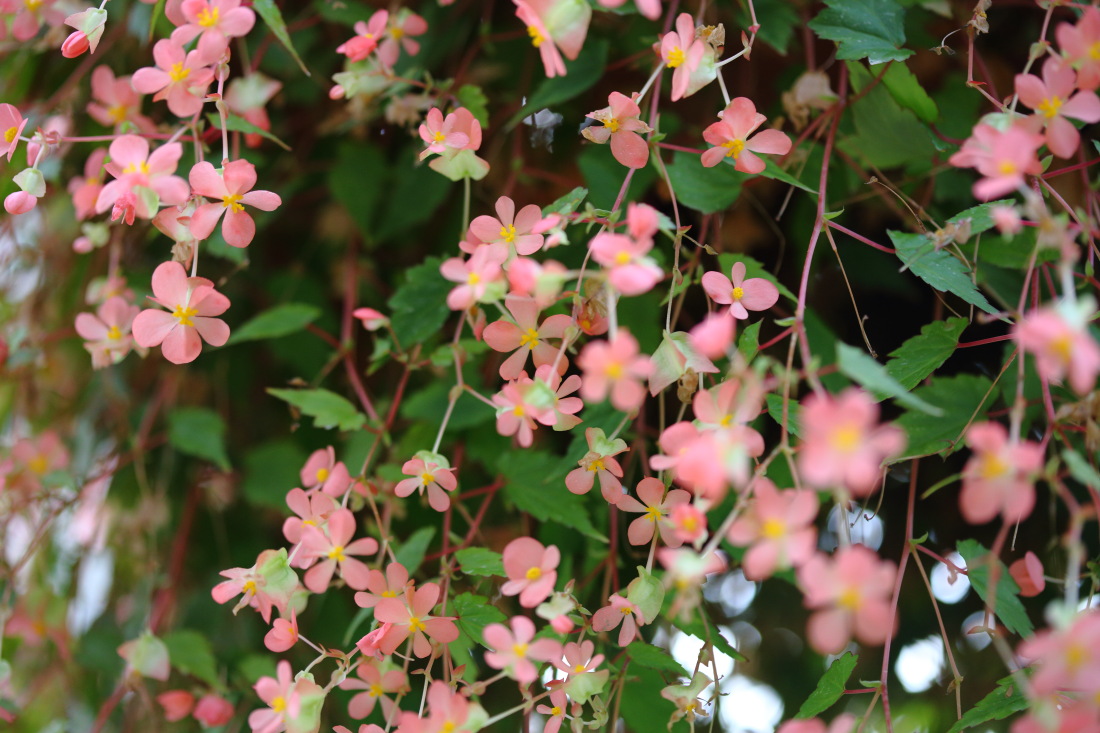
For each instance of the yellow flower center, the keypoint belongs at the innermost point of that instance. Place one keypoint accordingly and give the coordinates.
(849, 599)
(726, 421)
(448, 727)
(597, 465)
(473, 278)
(249, 587)
(533, 573)
(993, 467)
(536, 36)
(397, 33)
(375, 690)
(508, 234)
(518, 411)
(1076, 656)
(178, 73)
(33, 5)
(653, 514)
(773, 528)
(184, 314)
(114, 333)
(1094, 51)
(39, 464)
(675, 57)
(438, 137)
(612, 124)
(689, 523)
(737, 294)
(555, 710)
(142, 168)
(278, 704)
(1007, 168)
(625, 610)
(233, 201)
(530, 338)
(520, 650)
(578, 668)
(734, 148)
(1063, 348)
(337, 553)
(846, 438)
(1050, 106)
(614, 370)
(10, 134)
(389, 594)
(322, 475)
(208, 18)
(622, 258)
(426, 478)
(117, 113)
(415, 624)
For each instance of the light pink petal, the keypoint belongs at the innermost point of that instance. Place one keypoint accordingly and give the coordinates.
(769, 141)
(759, 294)
(182, 345)
(90, 328)
(213, 331)
(205, 219)
(630, 149)
(238, 228)
(239, 176)
(718, 287)
(262, 200)
(506, 211)
(152, 326)
(747, 162)
(149, 80)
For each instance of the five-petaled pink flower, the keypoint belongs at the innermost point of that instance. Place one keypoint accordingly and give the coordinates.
(622, 127)
(1081, 47)
(517, 650)
(599, 462)
(434, 476)
(525, 336)
(441, 134)
(379, 586)
(1003, 157)
(1055, 103)
(214, 22)
(778, 528)
(555, 711)
(741, 295)
(333, 548)
(1060, 341)
(999, 477)
(107, 333)
(621, 611)
(531, 570)
(411, 616)
(614, 367)
(474, 275)
(133, 166)
(514, 230)
(731, 136)
(851, 594)
(375, 685)
(193, 303)
(180, 77)
(629, 270)
(234, 189)
(682, 51)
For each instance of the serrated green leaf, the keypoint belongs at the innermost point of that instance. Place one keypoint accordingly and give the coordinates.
(480, 561)
(328, 409)
(190, 653)
(859, 366)
(830, 687)
(653, 657)
(706, 190)
(960, 397)
(418, 309)
(775, 409)
(281, 320)
(580, 76)
(1004, 701)
(886, 134)
(199, 432)
(864, 29)
(536, 485)
(474, 614)
(921, 355)
(236, 123)
(907, 92)
(1009, 609)
(269, 11)
(1080, 469)
(472, 98)
(748, 343)
(412, 551)
(937, 268)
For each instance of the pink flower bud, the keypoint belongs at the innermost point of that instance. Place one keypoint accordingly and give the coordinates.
(75, 44)
(19, 202)
(1028, 574)
(82, 245)
(372, 319)
(337, 92)
(177, 704)
(213, 710)
(562, 624)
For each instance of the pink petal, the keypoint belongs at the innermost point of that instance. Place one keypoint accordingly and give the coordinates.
(718, 287)
(205, 219)
(170, 283)
(182, 345)
(148, 80)
(759, 294)
(151, 326)
(205, 180)
(630, 149)
(212, 330)
(262, 200)
(238, 228)
(769, 141)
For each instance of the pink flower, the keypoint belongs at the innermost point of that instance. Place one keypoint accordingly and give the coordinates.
(531, 570)
(598, 462)
(475, 275)
(34, 458)
(399, 36)
(621, 126)
(649, 8)
(779, 526)
(448, 712)
(731, 136)
(520, 404)
(214, 22)
(713, 337)
(441, 134)
(247, 96)
(30, 16)
(312, 509)
(1060, 342)
(367, 37)
(621, 611)
(1067, 658)
(614, 367)
(999, 477)
(554, 25)
(391, 585)
(682, 51)
(514, 230)
(114, 101)
(145, 179)
(688, 523)
(842, 444)
(656, 507)
(555, 711)
(851, 592)
(1054, 101)
(375, 685)
(268, 584)
(321, 468)
(85, 190)
(107, 333)
(193, 302)
(733, 402)
(283, 634)
(1004, 158)
(179, 77)
(177, 704)
(526, 337)
(412, 617)
(739, 294)
(708, 462)
(12, 123)
(282, 700)
(371, 319)
(430, 472)
(234, 187)
(1079, 44)
(630, 272)
(334, 550)
(516, 651)
(213, 710)
(1028, 574)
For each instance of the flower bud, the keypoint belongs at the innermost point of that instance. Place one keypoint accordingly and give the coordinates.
(75, 44)
(19, 202)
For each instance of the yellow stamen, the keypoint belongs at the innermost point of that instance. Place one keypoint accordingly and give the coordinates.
(33, 5)
(520, 650)
(518, 411)
(614, 370)
(675, 57)
(993, 467)
(578, 668)
(375, 690)
(734, 148)
(611, 124)
(1050, 106)
(178, 73)
(1006, 168)
(555, 710)
(10, 134)
(625, 610)
(397, 33)
(278, 704)
(533, 573)
(530, 338)
(114, 333)
(508, 234)
(415, 624)
(438, 137)
(448, 727)
(426, 478)
(622, 258)
(737, 294)
(773, 528)
(389, 594)
(322, 475)
(184, 314)
(208, 18)
(849, 599)
(337, 553)
(846, 438)
(726, 421)
(473, 278)
(142, 168)
(1063, 347)
(233, 201)
(249, 587)
(597, 465)
(653, 514)
(1094, 51)
(117, 113)
(537, 38)
(39, 464)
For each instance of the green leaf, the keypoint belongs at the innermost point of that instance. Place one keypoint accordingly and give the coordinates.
(907, 91)
(748, 343)
(356, 162)
(269, 11)
(704, 189)
(775, 409)
(415, 194)
(1004, 701)
(921, 355)
(859, 366)
(864, 29)
(474, 614)
(480, 561)
(199, 432)
(472, 98)
(190, 653)
(536, 485)
(653, 657)
(887, 135)
(1009, 609)
(1080, 469)
(937, 268)
(568, 203)
(236, 123)
(774, 172)
(959, 397)
(411, 552)
(281, 320)
(270, 470)
(830, 687)
(418, 309)
(580, 76)
(328, 409)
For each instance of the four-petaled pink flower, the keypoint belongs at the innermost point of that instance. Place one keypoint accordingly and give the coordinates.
(1060, 341)
(441, 134)
(399, 36)
(621, 126)
(630, 271)
(554, 25)
(555, 711)
(741, 295)
(1081, 47)
(114, 101)
(614, 367)
(12, 124)
(682, 51)
(999, 477)
(655, 506)
(193, 303)
(525, 336)
(731, 136)
(367, 36)
(234, 189)
(433, 475)
(779, 526)
(321, 470)
(621, 611)
(375, 685)
(107, 333)
(411, 616)
(180, 77)
(379, 586)
(851, 594)
(134, 167)
(598, 462)
(334, 548)
(1003, 157)
(214, 22)
(512, 229)
(1053, 100)
(516, 651)
(475, 275)
(531, 570)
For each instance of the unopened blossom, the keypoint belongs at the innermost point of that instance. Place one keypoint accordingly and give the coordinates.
(999, 478)
(614, 367)
(629, 270)
(733, 138)
(193, 302)
(850, 595)
(146, 179)
(411, 617)
(399, 36)
(371, 319)
(682, 52)
(621, 611)
(1056, 101)
(598, 463)
(557, 28)
(516, 650)
(843, 446)
(368, 34)
(267, 584)
(32, 186)
(283, 634)
(114, 101)
(512, 229)
(475, 276)
(441, 134)
(376, 682)
(654, 505)
(1002, 157)
(107, 333)
(524, 336)
(1059, 339)
(431, 472)
(390, 585)
(1066, 659)
(333, 550)
(214, 22)
(89, 26)
(179, 77)
(623, 128)
(213, 710)
(778, 528)
(1028, 574)
(1079, 44)
(531, 569)
(741, 295)
(248, 96)
(231, 189)
(11, 127)
(177, 704)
